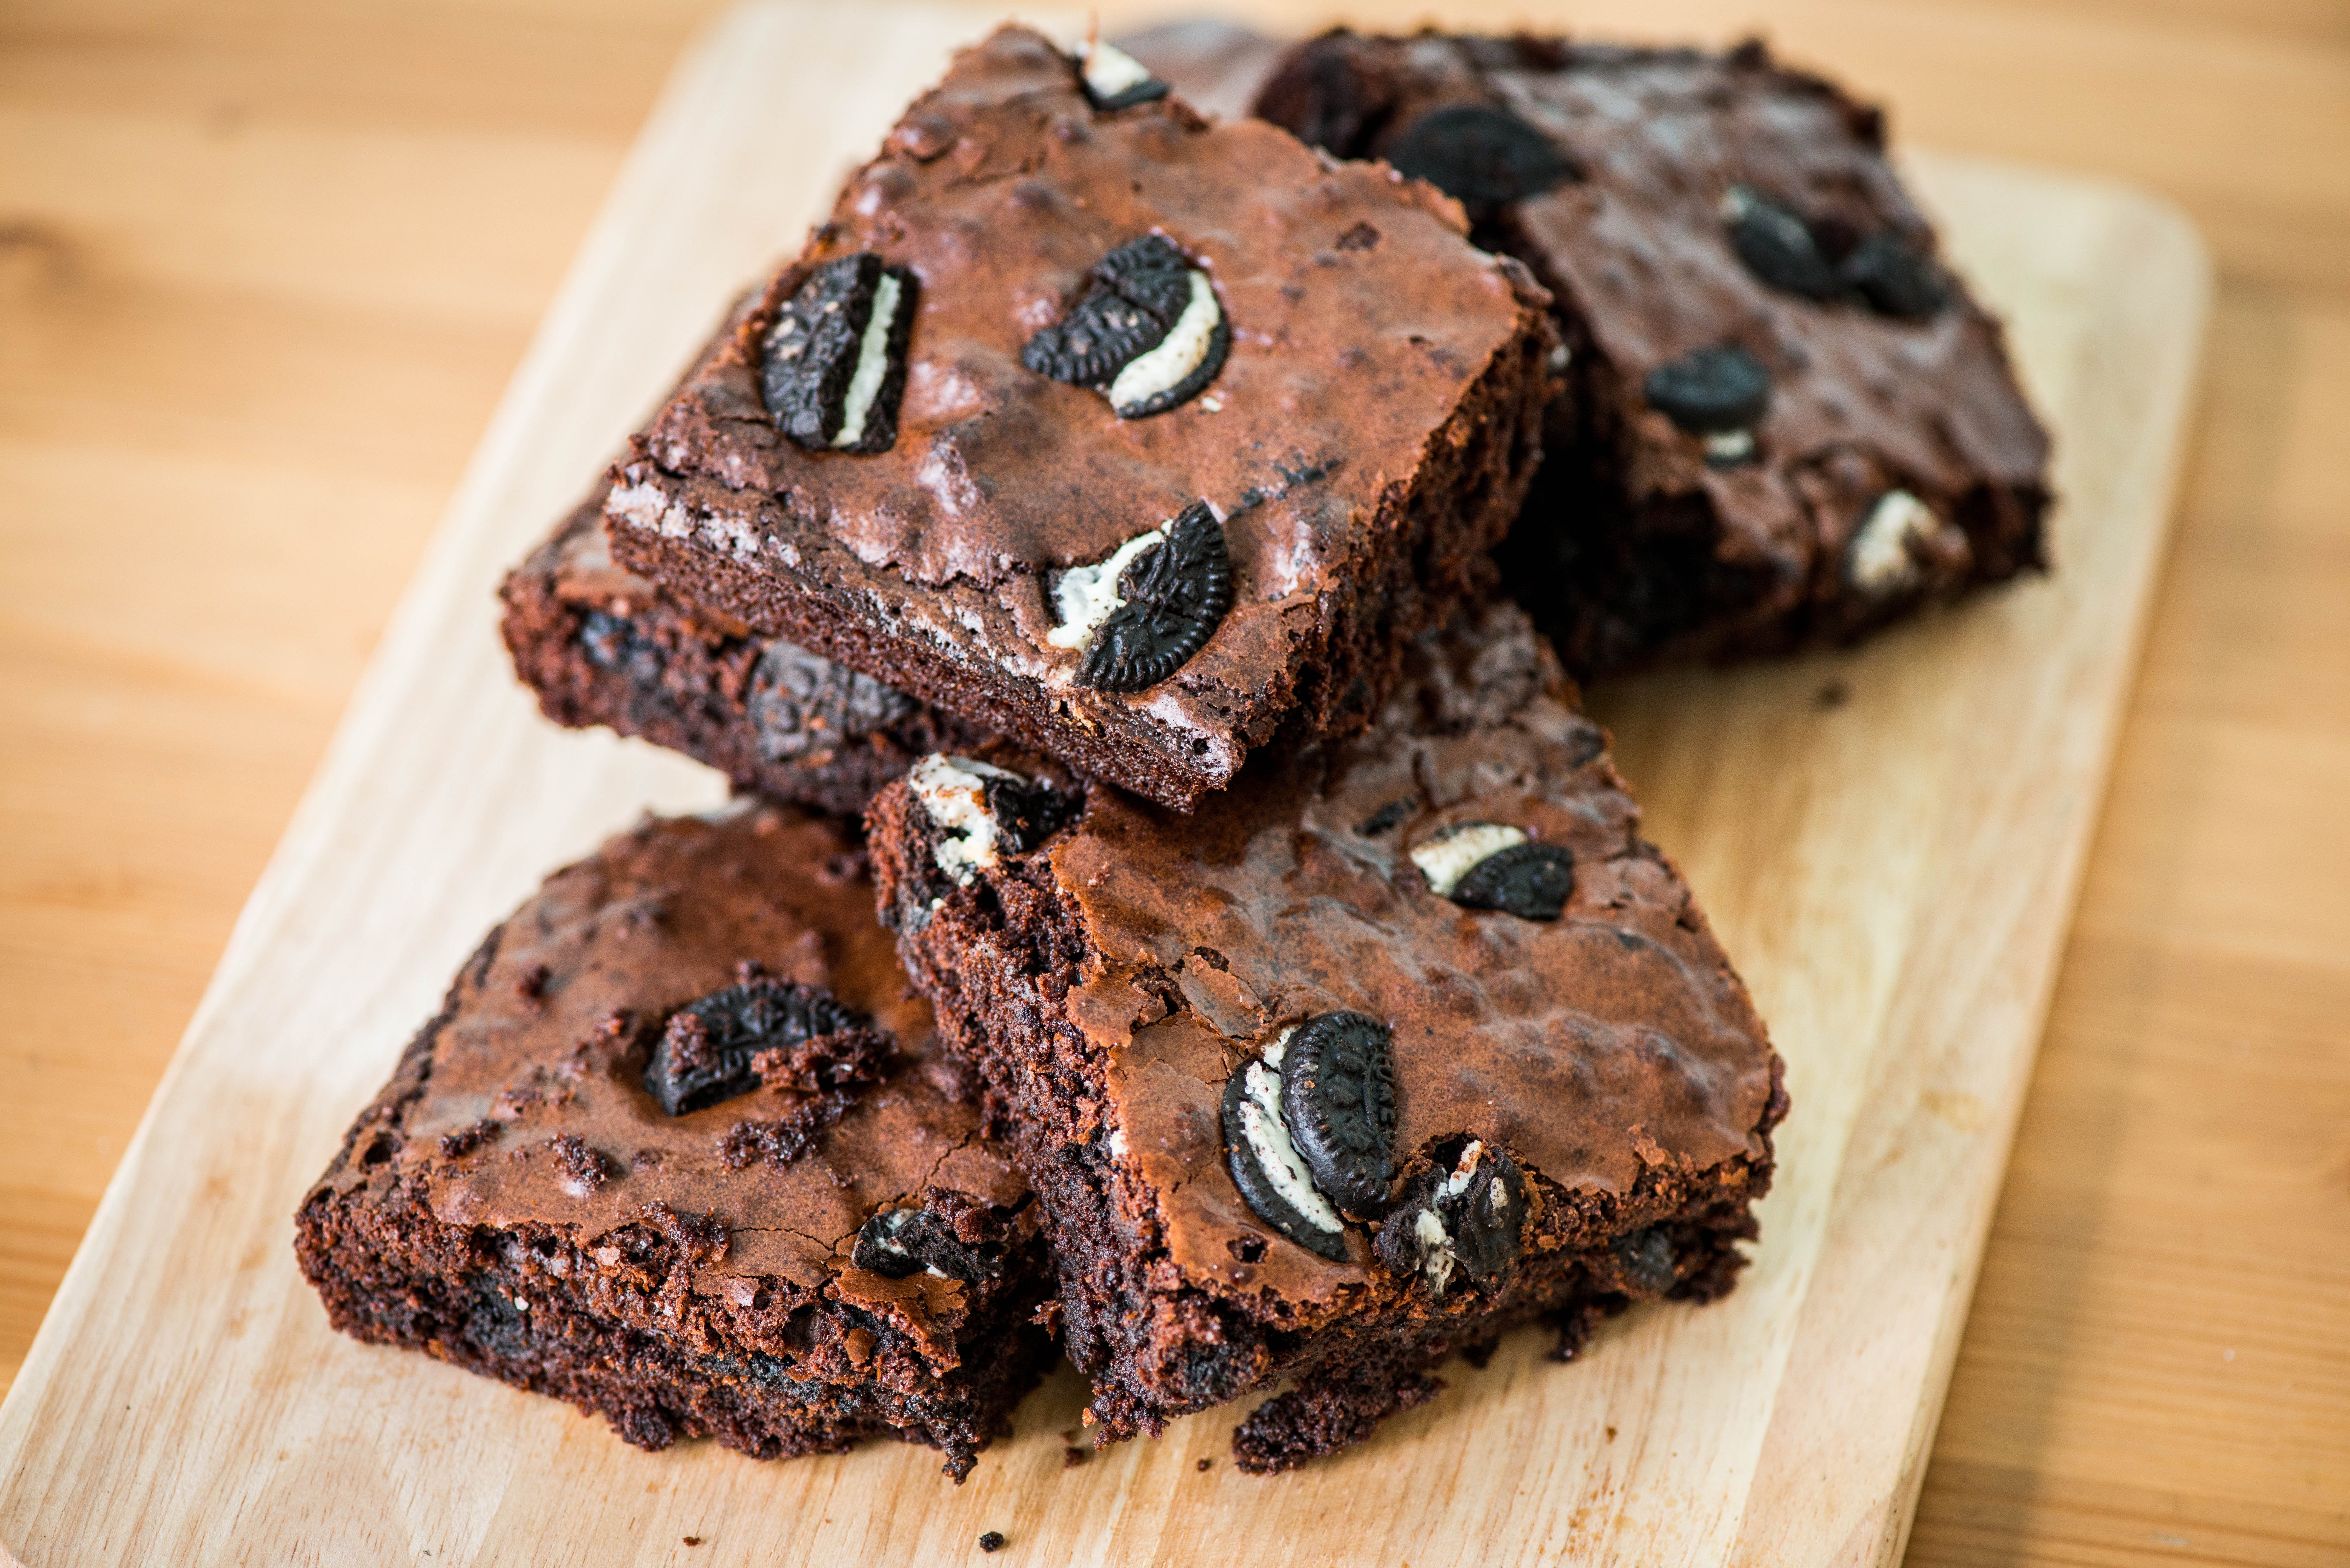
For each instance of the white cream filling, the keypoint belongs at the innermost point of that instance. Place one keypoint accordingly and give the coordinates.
(1276, 1156)
(953, 791)
(872, 363)
(1879, 560)
(1730, 446)
(1176, 355)
(1087, 595)
(1448, 856)
(1110, 70)
(1462, 1171)
(1435, 1249)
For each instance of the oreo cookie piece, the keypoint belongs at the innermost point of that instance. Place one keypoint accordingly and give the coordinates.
(835, 358)
(1265, 1162)
(1895, 278)
(983, 812)
(1716, 394)
(1647, 1262)
(706, 1049)
(897, 1242)
(1114, 79)
(1149, 333)
(1778, 246)
(1480, 155)
(1337, 1096)
(1469, 1218)
(1146, 611)
(1493, 866)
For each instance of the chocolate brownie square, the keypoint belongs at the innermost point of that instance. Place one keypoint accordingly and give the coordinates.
(1786, 419)
(680, 1149)
(1402, 1040)
(601, 645)
(1131, 436)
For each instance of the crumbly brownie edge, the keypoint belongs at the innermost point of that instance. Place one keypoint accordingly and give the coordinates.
(681, 683)
(389, 1272)
(1436, 528)
(997, 961)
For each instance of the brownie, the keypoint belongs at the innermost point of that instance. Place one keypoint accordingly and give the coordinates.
(1137, 437)
(1786, 422)
(600, 645)
(680, 1149)
(1402, 1040)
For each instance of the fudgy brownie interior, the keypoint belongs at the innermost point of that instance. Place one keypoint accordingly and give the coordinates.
(1786, 419)
(1399, 1041)
(601, 645)
(680, 1149)
(1137, 437)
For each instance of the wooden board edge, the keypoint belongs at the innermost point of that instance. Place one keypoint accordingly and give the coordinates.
(2173, 263)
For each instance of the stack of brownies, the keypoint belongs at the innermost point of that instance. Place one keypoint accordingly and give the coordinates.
(1247, 973)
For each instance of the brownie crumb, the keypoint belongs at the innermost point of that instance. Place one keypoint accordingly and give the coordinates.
(1071, 1458)
(584, 1170)
(785, 1139)
(693, 1540)
(992, 1541)
(1204, 1466)
(465, 1140)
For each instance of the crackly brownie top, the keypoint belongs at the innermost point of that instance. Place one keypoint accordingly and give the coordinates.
(649, 977)
(1702, 200)
(1571, 1010)
(1358, 316)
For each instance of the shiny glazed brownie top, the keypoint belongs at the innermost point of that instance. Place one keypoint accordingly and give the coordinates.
(535, 1109)
(1358, 317)
(1671, 155)
(1590, 1047)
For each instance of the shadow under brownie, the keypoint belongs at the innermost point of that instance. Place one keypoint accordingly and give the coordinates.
(601, 645)
(1148, 583)
(680, 1149)
(1402, 1040)
(1786, 420)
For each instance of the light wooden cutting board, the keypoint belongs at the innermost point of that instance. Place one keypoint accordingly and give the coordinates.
(1888, 842)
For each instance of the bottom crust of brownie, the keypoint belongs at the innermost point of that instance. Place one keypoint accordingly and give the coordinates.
(495, 1302)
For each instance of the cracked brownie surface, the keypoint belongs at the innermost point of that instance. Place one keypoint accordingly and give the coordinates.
(1116, 315)
(601, 645)
(1399, 1041)
(1785, 420)
(517, 1200)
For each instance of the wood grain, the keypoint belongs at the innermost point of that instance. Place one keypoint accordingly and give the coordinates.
(1897, 911)
(264, 266)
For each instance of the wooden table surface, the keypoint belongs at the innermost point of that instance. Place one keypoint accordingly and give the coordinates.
(264, 268)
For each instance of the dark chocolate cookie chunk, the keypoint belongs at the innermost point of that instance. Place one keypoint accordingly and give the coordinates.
(802, 702)
(1169, 600)
(1338, 1093)
(835, 358)
(1468, 1216)
(1482, 156)
(1493, 866)
(1149, 333)
(1531, 881)
(1647, 1262)
(1266, 1167)
(705, 1050)
(897, 1242)
(1778, 246)
(981, 811)
(1710, 391)
(1114, 79)
(1895, 278)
